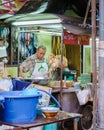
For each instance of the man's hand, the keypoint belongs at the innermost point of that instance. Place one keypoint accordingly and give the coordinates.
(48, 73)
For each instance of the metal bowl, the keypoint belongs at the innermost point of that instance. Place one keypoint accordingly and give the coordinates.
(50, 112)
(39, 80)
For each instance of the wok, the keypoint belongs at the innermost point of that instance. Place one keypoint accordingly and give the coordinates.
(39, 80)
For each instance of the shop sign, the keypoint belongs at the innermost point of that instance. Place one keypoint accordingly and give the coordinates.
(70, 38)
(83, 39)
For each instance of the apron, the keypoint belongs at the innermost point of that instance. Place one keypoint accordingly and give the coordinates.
(40, 70)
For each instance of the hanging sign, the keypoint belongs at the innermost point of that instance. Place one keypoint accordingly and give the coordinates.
(70, 38)
(83, 39)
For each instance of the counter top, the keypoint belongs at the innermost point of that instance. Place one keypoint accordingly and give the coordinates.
(61, 116)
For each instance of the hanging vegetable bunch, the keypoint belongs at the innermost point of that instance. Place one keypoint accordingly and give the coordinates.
(55, 61)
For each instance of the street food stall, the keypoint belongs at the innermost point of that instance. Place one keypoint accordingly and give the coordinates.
(60, 35)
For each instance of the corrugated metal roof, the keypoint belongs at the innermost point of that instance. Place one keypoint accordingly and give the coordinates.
(72, 24)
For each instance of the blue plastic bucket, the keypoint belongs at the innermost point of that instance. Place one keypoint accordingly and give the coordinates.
(1, 105)
(19, 108)
(1, 99)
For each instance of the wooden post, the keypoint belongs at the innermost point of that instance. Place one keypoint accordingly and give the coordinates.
(93, 9)
(61, 76)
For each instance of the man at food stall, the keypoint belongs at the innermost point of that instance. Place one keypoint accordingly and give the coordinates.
(37, 65)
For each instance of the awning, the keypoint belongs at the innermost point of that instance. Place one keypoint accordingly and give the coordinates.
(73, 25)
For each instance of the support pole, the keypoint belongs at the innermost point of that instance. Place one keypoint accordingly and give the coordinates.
(100, 117)
(93, 9)
(87, 10)
(61, 75)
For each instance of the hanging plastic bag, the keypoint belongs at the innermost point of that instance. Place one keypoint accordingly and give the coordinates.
(6, 84)
(83, 96)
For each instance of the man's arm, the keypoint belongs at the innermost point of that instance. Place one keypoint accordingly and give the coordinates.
(21, 74)
(26, 66)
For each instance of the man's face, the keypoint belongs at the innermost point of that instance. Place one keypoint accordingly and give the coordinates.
(40, 53)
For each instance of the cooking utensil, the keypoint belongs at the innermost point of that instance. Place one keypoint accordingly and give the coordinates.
(39, 80)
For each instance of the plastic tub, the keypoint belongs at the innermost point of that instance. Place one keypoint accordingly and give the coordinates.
(18, 107)
(1, 100)
(1, 105)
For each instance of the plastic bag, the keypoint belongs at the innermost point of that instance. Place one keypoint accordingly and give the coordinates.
(6, 84)
(44, 101)
(83, 96)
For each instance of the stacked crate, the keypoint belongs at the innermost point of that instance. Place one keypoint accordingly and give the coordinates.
(84, 79)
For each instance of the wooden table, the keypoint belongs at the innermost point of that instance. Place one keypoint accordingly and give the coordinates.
(40, 121)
